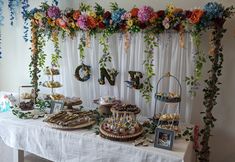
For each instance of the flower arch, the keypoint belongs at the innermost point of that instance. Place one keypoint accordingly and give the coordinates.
(49, 21)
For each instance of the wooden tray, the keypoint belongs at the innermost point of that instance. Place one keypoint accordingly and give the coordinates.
(113, 137)
(56, 126)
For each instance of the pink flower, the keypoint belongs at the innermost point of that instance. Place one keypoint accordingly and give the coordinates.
(126, 16)
(82, 22)
(145, 13)
(166, 23)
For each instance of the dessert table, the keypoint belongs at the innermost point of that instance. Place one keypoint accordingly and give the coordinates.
(81, 145)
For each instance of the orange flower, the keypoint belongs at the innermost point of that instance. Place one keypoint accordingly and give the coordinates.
(76, 14)
(196, 16)
(61, 23)
(91, 22)
(134, 12)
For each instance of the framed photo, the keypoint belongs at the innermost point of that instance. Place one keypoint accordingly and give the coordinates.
(164, 138)
(56, 106)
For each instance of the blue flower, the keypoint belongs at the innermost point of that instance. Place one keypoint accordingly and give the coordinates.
(13, 5)
(1, 12)
(117, 14)
(213, 10)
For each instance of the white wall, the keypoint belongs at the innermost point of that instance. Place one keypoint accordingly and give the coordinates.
(14, 69)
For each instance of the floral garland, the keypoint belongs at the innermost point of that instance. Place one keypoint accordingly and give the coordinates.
(48, 19)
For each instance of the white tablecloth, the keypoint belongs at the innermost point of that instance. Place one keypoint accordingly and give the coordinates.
(82, 145)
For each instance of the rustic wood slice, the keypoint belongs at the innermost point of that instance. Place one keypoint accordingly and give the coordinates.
(114, 137)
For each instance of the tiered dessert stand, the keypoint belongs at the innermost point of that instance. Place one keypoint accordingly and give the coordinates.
(163, 118)
(122, 125)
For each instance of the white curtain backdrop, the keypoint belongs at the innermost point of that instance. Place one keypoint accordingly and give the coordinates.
(168, 57)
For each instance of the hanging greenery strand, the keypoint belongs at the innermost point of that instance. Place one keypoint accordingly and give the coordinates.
(199, 60)
(106, 54)
(82, 46)
(38, 57)
(56, 55)
(150, 41)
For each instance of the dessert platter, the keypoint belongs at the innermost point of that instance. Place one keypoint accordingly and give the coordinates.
(72, 101)
(122, 125)
(51, 71)
(70, 119)
(168, 121)
(52, 84)
(56, 96)
(106, 101)
(168, 97)
(125, 108)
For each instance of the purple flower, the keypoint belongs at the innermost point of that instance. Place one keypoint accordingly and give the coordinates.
(53, 12)
(82, 22)
(145, 13)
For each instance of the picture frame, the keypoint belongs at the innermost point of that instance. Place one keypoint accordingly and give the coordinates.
(164, 138)
(56, 106)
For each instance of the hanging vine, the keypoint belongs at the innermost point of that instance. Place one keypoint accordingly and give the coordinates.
(55, 56)
(38, 57)
(81, 47)
(150, 40)
(199, 60)
(106, 54)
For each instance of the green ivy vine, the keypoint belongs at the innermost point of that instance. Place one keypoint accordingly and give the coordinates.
(106, 54)
(55, 56)
(150, 40)
(38, 56)
(200, 60)
(82, 46)
(211, 91)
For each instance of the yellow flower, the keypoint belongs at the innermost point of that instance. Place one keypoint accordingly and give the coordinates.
(38, 16)
(129, 23)
(91, 13)
(73, 25)
(100, 18)
(170, 8)
(51, 22)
